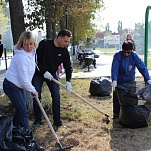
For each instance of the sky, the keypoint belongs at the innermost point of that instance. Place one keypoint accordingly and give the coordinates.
(128, 12)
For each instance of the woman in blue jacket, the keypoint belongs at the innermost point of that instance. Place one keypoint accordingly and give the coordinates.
(123, 71)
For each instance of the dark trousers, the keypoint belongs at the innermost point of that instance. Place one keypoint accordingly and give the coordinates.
(54, 88)
(18, 98)
(94, 62)
(116, 105)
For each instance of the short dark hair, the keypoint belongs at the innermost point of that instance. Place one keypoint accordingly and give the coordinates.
(127, 45)
(64, 32)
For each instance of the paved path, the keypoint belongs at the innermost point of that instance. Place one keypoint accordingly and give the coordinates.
(2, 72)
(103, 64)
(2, 76)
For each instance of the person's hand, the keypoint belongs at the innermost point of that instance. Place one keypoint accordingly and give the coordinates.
(114, 84)
(149, 81)
(34, 94)
(68, 86)
(48, 75)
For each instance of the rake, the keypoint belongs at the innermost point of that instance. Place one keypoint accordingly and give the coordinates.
(61, 148)
(106, 117)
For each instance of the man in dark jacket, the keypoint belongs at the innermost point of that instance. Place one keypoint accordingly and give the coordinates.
(123, 71)
(50, 54)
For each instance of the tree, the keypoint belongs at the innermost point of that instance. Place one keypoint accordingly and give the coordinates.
(3, 20)
(80, 13)
(5, 27)
(7, 39)
(18, 26)
(107, 27)
(17, 18)
(119, 26)
(139, 37)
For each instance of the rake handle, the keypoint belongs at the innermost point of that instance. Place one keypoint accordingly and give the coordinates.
(83, 99)
(48, 122)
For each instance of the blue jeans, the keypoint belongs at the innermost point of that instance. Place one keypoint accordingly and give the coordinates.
(54, 88)
(18, 98)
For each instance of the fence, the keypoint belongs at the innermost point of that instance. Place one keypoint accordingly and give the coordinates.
(8, 54)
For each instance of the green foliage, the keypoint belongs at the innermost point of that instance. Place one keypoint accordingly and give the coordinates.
(74, 113)
(7, 39)
(3, 21)
(80, 14)
(139, 37)
(119, 26)
(107, 51)
(107, 27)
(4, 26)
(4, 99)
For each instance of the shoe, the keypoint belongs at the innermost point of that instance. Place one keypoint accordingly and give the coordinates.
(55, 128)
(37, 123)
(115, 116)
(64, 125)
(59, 125)
(40, 148)
(32, 145)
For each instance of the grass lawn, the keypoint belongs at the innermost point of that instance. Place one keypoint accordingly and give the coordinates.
(86, 131)
(107, 51)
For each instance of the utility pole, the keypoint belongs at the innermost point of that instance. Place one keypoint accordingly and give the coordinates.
(66, 14)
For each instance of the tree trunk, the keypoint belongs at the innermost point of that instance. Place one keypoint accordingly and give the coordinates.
(48, 29)
(17, 25)
(29, 100)
(17, 18)
(62, 23)
(53, 30)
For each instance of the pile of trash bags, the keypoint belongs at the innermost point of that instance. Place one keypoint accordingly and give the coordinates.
(100, 86)
(16, 138)
(135, 104)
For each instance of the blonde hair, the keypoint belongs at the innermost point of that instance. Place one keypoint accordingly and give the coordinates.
(26, 35)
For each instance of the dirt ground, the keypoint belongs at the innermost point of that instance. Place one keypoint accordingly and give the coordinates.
(86, 130)
(90, 133)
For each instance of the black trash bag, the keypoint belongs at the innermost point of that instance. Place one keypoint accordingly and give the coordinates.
(16, 138)
(100, 86)
(131, 115)
(23, 139)
(144, 93)
(134, 117)
(6, 133)
(126, 97)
